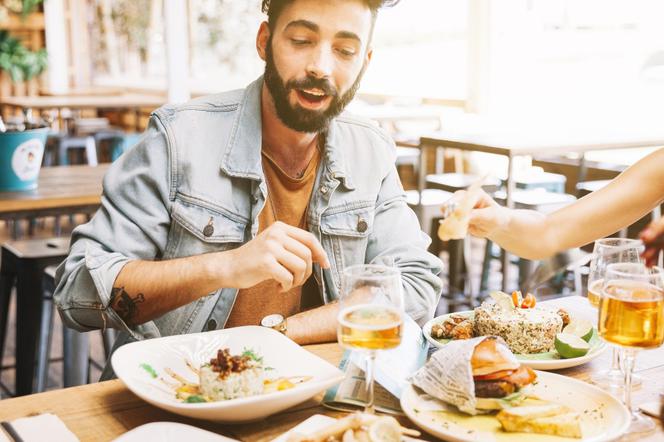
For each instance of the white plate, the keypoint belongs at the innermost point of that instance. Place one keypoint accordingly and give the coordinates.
(541, 361)
(308, 426)
(285, 357)
(170, 432)
(603, 417)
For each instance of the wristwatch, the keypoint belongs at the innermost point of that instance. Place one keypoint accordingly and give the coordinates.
(275, 321)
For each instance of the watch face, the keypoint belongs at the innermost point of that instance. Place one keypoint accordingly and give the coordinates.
(272, 320)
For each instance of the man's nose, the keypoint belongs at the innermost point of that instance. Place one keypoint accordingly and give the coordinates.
(321, 62)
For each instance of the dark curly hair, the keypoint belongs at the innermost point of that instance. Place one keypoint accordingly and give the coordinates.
(273, 8)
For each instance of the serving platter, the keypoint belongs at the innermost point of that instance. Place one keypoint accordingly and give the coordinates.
(539, 361)
(603, 417)
(145, 368)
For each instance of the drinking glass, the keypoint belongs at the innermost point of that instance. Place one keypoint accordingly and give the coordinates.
(605, 253)
(631, 315)
(370, 315)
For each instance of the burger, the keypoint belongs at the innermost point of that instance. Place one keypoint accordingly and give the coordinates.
(498, 376)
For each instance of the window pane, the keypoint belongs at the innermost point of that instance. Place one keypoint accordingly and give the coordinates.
(420, 50)
(223, 43)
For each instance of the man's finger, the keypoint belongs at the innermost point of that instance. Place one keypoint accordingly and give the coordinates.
(280, 274)
(301, 251)
(317, 252)
(295, 266)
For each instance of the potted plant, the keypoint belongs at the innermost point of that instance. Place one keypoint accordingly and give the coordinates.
(21, 144)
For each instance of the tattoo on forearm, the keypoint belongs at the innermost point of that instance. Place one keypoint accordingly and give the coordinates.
(124, 305)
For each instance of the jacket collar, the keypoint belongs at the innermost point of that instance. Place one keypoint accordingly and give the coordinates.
(243, 151)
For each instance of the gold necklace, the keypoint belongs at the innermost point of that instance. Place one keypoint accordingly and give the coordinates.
(274, 209)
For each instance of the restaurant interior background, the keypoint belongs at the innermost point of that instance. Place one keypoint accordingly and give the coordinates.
(585, 70)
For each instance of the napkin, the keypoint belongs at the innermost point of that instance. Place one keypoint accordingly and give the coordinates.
(448, 375)
(36, 429)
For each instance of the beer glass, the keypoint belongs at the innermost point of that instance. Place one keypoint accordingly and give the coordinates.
(370, 315)
(631, 315)
(605, 253)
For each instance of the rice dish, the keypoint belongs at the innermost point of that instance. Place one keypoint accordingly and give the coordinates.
(531, 330)
(230, 377)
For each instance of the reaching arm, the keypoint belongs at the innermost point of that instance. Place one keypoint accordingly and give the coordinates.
(533, 235)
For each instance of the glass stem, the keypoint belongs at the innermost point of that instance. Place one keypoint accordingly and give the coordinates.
(629, 357)
(615, 360)
(369, 382)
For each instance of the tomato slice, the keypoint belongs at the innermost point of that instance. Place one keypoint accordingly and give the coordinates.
(529, 301)
(523, 376)
(493, 376)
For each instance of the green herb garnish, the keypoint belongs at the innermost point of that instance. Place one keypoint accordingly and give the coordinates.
(251, 354)
(195, 399)
(151, 371)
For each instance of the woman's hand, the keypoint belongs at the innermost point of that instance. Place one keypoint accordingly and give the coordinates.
(488, 217)
(653, 238)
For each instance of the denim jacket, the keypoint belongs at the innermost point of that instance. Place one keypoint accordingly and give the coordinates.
(194, 184)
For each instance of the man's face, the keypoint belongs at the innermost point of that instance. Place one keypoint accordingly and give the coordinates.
(314, 60)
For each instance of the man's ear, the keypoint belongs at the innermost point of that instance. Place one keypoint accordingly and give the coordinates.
(262, 39)
(367, 58)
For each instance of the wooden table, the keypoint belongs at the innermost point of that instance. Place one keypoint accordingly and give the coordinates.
(77, 102)
(524, 143)
(105, 410)
(61, 190)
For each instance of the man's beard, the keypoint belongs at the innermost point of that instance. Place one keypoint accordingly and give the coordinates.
(296, 117)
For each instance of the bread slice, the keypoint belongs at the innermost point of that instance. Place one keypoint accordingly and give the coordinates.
(549, 418)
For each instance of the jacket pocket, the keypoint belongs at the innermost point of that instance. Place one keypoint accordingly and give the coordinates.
(345, 235)
(196, 229)
(353, 223)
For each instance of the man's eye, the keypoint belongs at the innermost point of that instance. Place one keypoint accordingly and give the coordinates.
(299, 42)
(346, 52)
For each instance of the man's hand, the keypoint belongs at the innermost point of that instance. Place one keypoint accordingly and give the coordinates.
(653, 238)
(280, 252)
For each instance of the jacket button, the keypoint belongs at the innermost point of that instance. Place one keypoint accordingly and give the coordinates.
(323, 190)
(209, 229)
(212, 325)
(362, 225)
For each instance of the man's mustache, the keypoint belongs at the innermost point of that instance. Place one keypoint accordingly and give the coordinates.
(313, 83)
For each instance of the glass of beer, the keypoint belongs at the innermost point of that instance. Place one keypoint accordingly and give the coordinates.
(370, 315)
(610, 251)
(631, 315)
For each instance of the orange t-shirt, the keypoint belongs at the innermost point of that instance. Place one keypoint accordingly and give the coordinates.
(287, 201)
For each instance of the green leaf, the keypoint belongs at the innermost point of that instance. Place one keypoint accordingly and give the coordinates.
(20, 63)
(250, 353)
(151, 371)
(28, 7)
(195, 399)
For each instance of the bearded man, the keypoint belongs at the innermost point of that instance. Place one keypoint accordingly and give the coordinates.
(243, 208)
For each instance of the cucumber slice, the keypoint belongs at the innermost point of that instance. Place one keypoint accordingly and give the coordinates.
(571, 346)
(581, 328)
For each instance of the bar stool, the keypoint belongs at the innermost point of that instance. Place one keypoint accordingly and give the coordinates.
(429, 213)
(583, 188)
(536, 178)
(23, 263)
(75, 345)
(64, 143)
